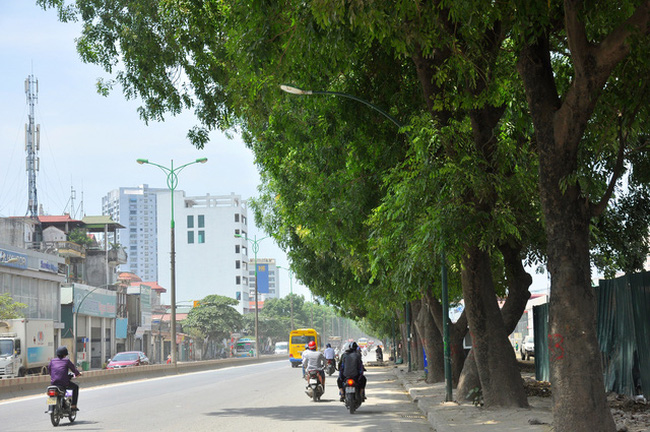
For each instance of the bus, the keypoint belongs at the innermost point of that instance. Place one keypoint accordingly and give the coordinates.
(244, 347)
(298, 340)
(363, 342)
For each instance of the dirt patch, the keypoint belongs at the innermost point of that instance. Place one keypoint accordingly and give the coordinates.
(630, 414)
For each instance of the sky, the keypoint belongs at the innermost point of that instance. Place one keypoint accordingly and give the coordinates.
(91, 142)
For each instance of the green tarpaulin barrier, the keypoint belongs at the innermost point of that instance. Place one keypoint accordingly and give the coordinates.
(623, 330)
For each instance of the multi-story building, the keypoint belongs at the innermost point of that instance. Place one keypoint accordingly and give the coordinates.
(268, 281)
(135, 208)
(209, 258)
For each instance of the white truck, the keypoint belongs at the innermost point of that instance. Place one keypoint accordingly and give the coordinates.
(26, 346)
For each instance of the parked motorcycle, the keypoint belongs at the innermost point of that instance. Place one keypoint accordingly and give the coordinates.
(353, 394)
(59, 402)
(314, 387)
(331, 367)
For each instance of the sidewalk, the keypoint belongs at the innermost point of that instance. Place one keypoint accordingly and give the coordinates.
(465, 417)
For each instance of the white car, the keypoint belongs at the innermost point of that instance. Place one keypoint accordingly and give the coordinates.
(282, 348)
(527, 349)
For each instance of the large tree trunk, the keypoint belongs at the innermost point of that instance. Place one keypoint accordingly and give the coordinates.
(431, 340)
(518, 283)
(579, 401)
(495, 359)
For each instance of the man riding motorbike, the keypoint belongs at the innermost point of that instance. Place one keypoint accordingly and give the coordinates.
(59, 367)
(351, 366)
(314, 360)
(329, 354)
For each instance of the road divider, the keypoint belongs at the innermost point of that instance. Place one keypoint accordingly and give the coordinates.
(34, 384)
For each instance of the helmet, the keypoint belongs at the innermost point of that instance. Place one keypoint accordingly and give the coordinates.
(311, 345)
(352, 346)
(329, 345)
(62, 351)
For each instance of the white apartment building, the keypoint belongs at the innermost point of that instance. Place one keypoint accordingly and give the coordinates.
(209, 258)
(135, 208)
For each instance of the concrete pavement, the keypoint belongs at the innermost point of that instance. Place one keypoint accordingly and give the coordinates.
(464, 416)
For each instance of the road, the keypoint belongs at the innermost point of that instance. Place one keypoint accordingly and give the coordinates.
(259, 397)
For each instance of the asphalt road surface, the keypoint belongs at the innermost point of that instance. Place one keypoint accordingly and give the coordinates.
(259, 397)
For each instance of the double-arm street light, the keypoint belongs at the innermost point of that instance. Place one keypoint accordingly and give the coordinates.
(445, 296)
(291, 288)
(256, 247)
(172, 182)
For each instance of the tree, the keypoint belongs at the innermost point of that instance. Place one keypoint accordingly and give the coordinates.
(10, 309)
(215, 317)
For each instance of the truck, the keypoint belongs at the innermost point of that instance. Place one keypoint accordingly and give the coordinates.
(26, 346)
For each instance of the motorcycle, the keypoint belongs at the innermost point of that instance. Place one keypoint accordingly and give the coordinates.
(331, 367)
(353, 394)
(314, 387)
(59, 402)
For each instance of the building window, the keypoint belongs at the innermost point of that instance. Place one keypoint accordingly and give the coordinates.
(201, 236)
(236, 217)
(190, 221)
(237, 280)
(237, 264)
(190, 237)
(201, 221)
(237, 248)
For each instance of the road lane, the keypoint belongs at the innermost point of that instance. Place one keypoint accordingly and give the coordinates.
(267, 396)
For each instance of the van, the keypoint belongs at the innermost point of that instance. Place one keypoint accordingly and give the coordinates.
(298, 340)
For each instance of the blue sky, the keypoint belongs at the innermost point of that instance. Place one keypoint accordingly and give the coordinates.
(90, 142)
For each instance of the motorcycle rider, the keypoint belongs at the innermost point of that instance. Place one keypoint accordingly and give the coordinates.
(379, 353)
(329, 354)
(313, 359)
(59, 377)
(351, 366)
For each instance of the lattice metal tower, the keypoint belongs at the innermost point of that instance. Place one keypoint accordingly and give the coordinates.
(32, 144)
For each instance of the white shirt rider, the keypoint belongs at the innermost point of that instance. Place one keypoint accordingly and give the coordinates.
(329, 353)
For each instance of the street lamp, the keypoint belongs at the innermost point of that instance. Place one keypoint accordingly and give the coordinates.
(256, 248)
(445, 292)
(172, 182)
(76, 315)
(291, 288)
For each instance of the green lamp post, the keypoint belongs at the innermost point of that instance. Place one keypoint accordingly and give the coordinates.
(172, 182)
(256, 247)
(291, 288)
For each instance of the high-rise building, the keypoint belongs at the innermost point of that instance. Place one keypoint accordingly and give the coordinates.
(135, 209)
(268, 280)
(209, 258)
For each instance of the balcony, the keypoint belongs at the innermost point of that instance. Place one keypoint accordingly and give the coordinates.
(65, 249)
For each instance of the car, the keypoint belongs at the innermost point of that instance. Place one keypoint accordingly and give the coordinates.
(282, 347)
(527, 349)
(127, 359)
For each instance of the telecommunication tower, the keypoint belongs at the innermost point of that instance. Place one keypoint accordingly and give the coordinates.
(32, 145)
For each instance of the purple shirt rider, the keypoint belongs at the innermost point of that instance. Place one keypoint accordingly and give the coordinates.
(59, 371)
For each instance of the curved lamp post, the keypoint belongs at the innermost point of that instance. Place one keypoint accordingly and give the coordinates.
(256, 247)
(445, 293)
(172, 182)
(76, 316)
(291, 288)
